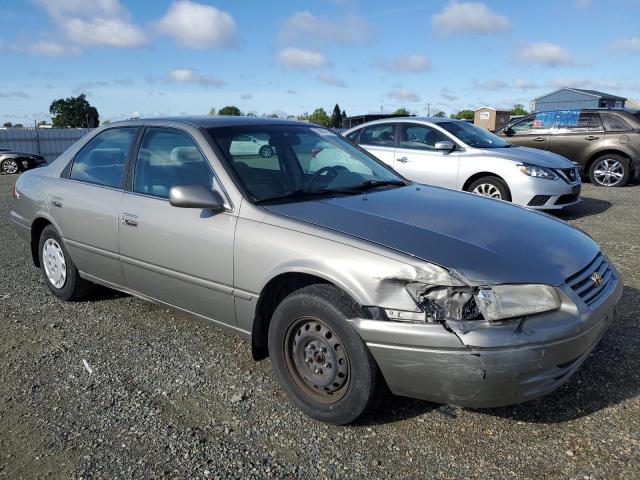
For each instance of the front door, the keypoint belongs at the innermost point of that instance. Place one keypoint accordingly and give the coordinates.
(418, 160)
(577, 136)
(532, 131)
(85, 205)
(181, 256)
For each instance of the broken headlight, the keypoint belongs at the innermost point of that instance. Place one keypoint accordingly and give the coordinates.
(495, 302)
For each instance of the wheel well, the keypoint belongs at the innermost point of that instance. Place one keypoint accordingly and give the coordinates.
(36, 230)
(272, 294)
(479, 175)
(601, 153)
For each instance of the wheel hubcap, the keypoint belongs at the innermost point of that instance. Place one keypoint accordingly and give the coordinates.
(608, 172)
(487, 190)
(10, 166)
(55, 266)
(317, 360)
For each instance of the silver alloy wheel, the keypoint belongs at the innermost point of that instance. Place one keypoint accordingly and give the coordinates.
(55, 266)
(608, 172)
(10, 166)
(265, 151)
(488, 190)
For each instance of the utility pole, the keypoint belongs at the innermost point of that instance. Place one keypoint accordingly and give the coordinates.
(428, 109)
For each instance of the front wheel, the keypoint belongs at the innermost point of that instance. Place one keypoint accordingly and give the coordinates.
(10, 166)
(265, 151)
(610, 171)
(320, 361)
(491, 187)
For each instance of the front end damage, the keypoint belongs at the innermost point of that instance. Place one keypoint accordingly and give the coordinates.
(438, 337)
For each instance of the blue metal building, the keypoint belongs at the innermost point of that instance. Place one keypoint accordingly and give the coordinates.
(576, 98)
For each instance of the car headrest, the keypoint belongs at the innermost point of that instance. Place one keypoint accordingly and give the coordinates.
(102, 157)
(185, 154)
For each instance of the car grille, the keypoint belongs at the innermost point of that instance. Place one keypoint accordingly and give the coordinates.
(538, 200)
(584, 283)
(569, 175)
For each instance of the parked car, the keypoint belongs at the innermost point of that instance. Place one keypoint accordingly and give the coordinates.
(606, 143)
(15, 162)
(346, 275)
(248, 145)
(459, 155)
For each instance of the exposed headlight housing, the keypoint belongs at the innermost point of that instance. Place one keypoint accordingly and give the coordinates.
(491, 303)
(537, 172)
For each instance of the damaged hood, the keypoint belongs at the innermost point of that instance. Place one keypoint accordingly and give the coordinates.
(541, 158)
(485, 240)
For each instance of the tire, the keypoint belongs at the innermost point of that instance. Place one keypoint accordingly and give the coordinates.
(265, 151)
(610, 170)
(10, 166)
(58, 270)
(311, 343)
(493, 187)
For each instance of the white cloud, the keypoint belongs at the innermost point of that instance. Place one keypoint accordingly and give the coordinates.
(195, 25)
(82, 24)
(447, 95)
(404, 95)
(628, 45)
(546, 53)
(459, 18)
(246, 96)
(14, 95)
(300, 59)
(329, 79)
(411, 64)
(304, 27)
(570, 82)
(186, 76)
(524, 84)
(492, 84)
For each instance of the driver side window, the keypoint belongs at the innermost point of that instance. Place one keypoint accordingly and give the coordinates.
(420, 137)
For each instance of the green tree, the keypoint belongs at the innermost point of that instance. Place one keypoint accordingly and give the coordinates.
(74, 112)
(320, 117)
(7, 125)
(463, 115)
(105, 122)
(518, 109)
(18, 125)
(440, 114)
(336, 117)
(41, 123)
(230, 110)
(212, 111)
(401, 111)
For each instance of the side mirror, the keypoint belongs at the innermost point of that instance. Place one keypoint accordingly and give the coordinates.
(446, 146)
(196, 196)
(508, 131)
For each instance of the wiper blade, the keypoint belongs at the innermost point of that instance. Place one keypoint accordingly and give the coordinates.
(379, 183)
(303, 192)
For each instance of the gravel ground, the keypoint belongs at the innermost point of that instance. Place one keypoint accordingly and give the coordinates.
(166, 395)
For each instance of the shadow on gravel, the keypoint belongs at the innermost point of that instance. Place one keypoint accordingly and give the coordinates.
(389, 408)
(588, 206)
(610, 375)
(99, 293)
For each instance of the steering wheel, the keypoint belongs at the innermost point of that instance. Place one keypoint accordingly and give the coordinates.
(330, 171)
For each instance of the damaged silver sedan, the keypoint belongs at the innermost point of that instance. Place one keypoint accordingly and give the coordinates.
(341, 271)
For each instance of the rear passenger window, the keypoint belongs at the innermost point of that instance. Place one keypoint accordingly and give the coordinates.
(381, 135)
(614, 123)
(353, 136)
(102, 160)
(168, 158)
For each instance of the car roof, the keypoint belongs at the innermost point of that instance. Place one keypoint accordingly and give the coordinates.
(410, 120)
(216, 121)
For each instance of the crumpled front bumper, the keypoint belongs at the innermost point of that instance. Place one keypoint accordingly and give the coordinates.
(492, 366)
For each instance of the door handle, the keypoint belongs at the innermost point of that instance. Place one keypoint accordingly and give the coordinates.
(402, 159)
(56, 203)
(539, 139)
(591, 137)
(130, 220)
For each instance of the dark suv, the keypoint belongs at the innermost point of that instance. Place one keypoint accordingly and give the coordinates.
(606, 143)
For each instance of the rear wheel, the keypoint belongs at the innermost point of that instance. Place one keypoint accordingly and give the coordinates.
(610, 170)
(58, 270)
(10, 166)
(265, 151)
(492, 187)
(320, 361)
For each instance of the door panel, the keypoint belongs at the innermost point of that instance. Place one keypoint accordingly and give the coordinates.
(578, 140)
(182, 256)
(529, 132)
(417, 159)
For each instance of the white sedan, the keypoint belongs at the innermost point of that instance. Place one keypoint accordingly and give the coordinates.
(249, 145)
(459, 155)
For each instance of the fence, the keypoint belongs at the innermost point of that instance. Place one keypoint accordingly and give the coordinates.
(48, 142)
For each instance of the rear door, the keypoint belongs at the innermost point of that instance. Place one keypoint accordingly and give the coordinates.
(531, 131)
(380, 140)
(418, 160)
(577, 136)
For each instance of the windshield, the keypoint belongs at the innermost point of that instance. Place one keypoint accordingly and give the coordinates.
(287, 161)
(474, 136)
